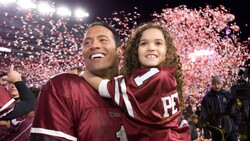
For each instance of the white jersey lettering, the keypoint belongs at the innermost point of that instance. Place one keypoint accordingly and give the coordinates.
(171, 104)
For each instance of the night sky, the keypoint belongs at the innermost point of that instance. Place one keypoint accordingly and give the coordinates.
(104, 8)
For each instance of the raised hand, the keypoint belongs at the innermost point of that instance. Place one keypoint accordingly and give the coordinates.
(13, 76)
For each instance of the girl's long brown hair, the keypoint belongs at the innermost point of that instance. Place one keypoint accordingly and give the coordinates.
(131, 61)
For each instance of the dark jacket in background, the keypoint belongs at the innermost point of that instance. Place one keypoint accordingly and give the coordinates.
(215, 113)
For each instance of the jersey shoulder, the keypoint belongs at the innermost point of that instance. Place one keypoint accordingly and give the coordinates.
(6, 102)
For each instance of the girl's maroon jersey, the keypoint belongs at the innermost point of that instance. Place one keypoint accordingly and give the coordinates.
(148, 95)
(69, 108)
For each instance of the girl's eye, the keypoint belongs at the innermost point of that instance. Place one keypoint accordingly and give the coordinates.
(158, 43)
(143, 43)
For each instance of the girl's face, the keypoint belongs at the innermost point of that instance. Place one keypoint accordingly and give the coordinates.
(152, 48)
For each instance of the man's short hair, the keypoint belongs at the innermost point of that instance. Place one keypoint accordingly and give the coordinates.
(111, 28)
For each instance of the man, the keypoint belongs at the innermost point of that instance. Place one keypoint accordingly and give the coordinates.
(215, 113)
(69, 108)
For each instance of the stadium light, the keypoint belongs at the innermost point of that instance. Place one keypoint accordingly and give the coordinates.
(7, 1)
(200, 53)
(45, 8)
(79, 13)
(26, 4)
(4, 49)
(63, 11)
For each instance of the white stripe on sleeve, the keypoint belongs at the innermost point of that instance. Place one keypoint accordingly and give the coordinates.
(53, 133)
(126, 99)
(103, 88)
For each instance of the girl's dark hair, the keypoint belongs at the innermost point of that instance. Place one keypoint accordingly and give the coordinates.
(131, 62)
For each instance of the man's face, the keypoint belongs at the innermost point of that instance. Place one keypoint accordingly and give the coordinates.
(99, 51)
(217, 86)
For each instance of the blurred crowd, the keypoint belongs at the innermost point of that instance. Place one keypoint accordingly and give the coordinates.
(43, 45)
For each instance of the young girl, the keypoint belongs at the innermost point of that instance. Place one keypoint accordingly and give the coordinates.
(150, 90)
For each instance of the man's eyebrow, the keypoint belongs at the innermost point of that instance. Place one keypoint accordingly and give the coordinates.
(100, 36)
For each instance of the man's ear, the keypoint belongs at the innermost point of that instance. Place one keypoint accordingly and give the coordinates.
(120, 52)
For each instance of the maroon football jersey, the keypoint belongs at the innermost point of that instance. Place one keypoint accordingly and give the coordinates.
(69, 108)
(150, 97)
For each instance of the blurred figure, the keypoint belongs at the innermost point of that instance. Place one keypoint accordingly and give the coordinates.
(76, 70)
(2, 83)
(215, 113)
(15, 124)
(13, 90)
(25, 102)
(193, 121)
(35, 91)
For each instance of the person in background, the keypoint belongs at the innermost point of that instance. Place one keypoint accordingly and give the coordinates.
(15, 122)
(2, 82)
(76, 70)
(151, 89)
(215, 113)
(35, 90)
(26, 102)
(193, 121)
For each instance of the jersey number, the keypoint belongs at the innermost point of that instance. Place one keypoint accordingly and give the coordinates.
(121, 134)
(140, 79)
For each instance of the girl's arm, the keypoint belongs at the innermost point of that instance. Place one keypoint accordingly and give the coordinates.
(95, 82)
